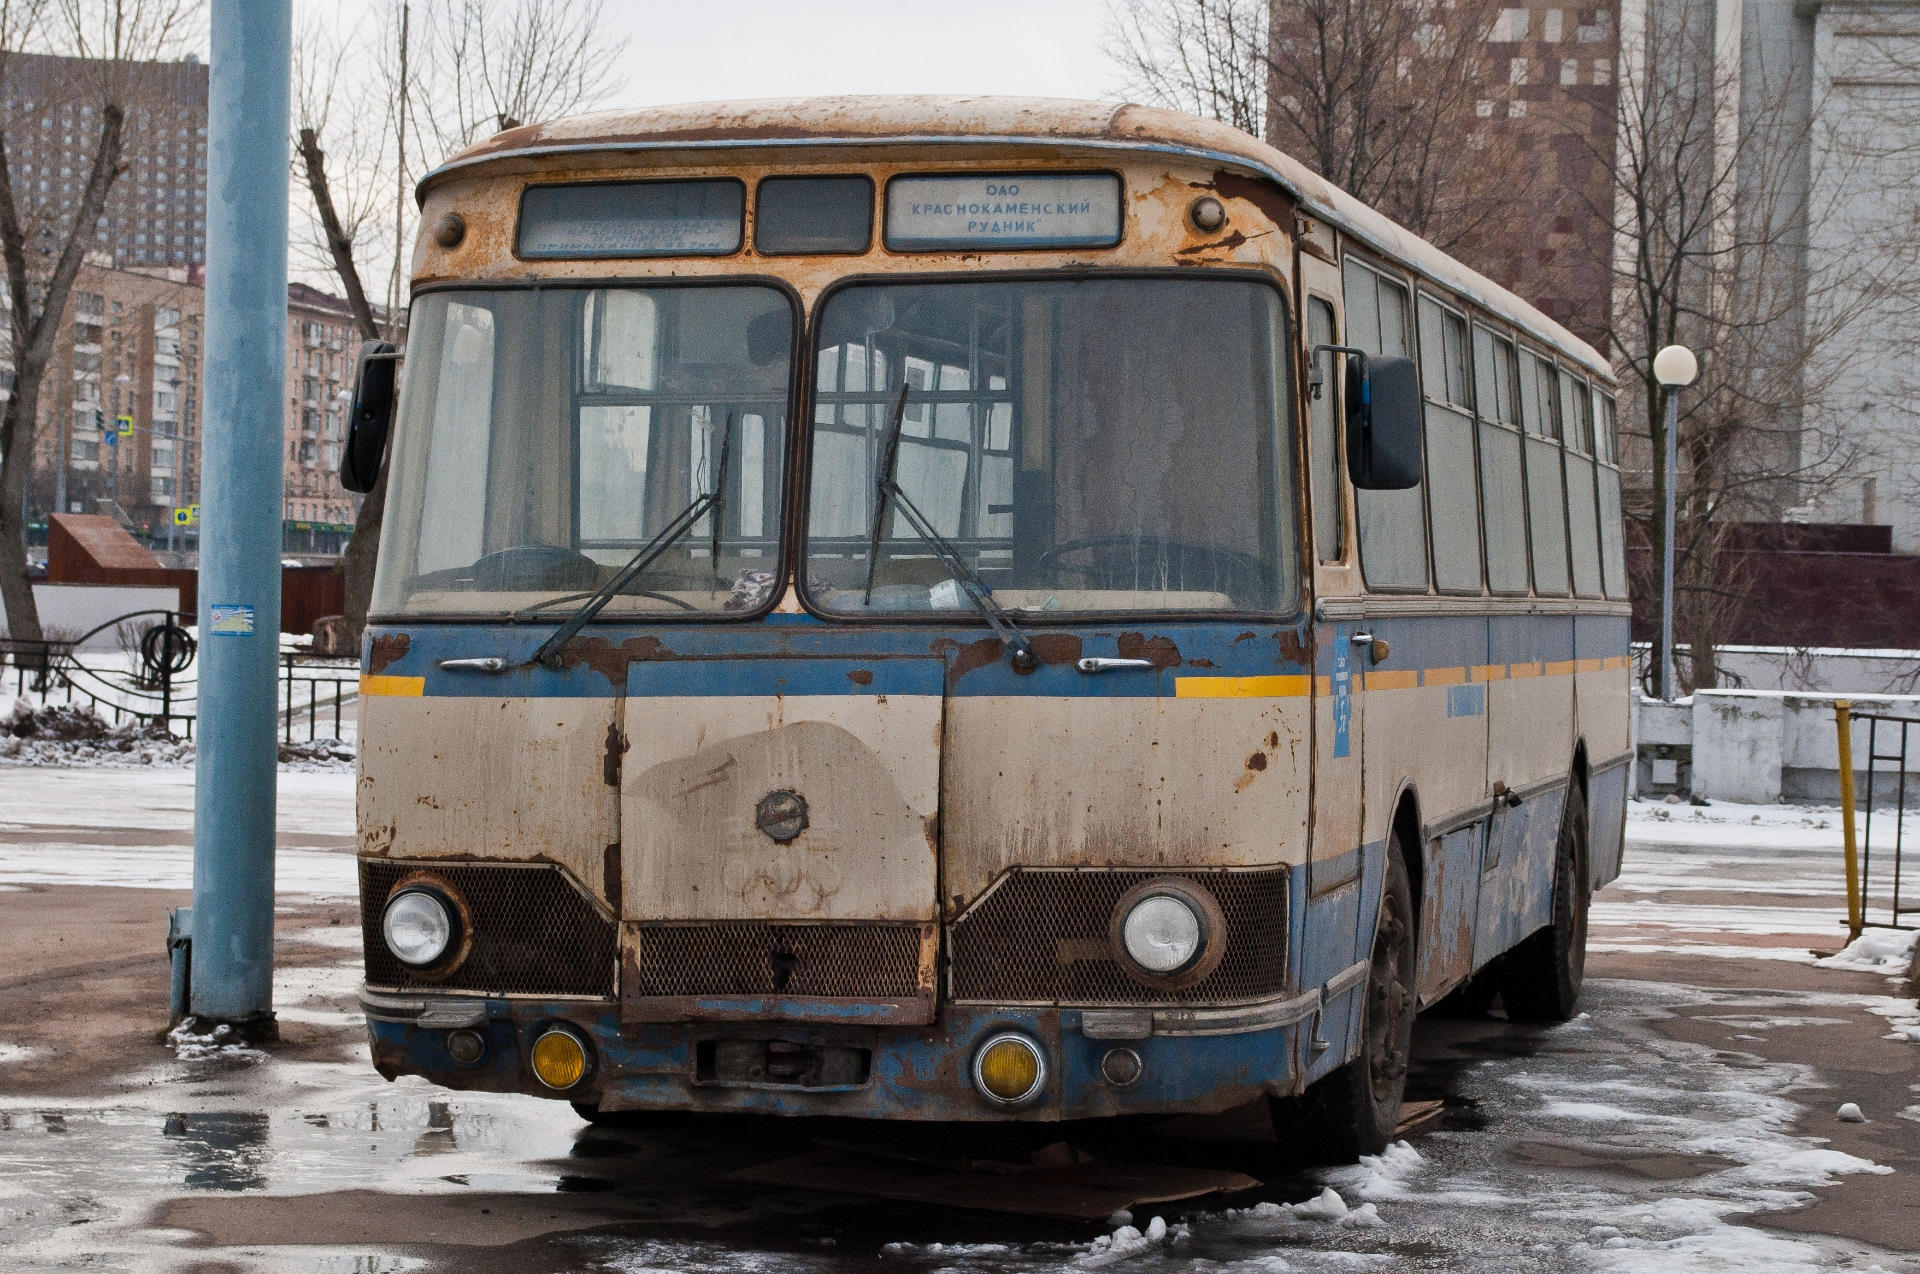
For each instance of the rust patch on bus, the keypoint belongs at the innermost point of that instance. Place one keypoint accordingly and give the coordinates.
(1264, 195)
(1258, 761)
(609, 660)
(610, 870)
(1158, 651)
(1246, 636)
(385, 650)
(1057, 648)
(975, 654)
(616, 748)
(1227, 244)
(860, 677)
(1292, 648)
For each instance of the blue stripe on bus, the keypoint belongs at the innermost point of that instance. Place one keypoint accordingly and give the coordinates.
(769, 677)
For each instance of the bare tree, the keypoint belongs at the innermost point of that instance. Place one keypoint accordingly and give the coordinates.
(417, 87)
(45, 238)
(1721, 183)
(1381, 97)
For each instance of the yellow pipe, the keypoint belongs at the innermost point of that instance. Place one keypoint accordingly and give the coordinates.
(1843, 720)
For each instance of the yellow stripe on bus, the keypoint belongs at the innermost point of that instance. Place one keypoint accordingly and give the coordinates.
(1559, 667)
(1443, 677)
(405, 687)
(1391, 679)
(1488, 672)
(1275, 687)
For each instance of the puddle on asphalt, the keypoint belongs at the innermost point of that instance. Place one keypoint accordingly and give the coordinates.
(1554, 1146)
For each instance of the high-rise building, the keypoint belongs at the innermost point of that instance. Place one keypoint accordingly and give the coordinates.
(156, 213)
(121, 425)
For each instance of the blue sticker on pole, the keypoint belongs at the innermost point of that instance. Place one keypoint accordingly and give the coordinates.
(1342, 691)
(230, 620)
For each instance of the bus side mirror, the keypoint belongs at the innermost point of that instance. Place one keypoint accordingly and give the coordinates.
(372, 413)
(1383, 423)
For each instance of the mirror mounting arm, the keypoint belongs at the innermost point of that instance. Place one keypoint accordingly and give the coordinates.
(1316, 379)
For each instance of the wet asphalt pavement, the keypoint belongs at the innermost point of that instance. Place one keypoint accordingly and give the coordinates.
(1684, 1122)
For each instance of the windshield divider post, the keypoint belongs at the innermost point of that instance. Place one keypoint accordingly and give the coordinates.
(889, 462)
(719, 494)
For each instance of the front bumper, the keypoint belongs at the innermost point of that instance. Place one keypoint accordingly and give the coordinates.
(1192, 1060)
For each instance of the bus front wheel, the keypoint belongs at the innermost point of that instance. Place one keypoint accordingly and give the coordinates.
(1540, 979)
(1356, 1110)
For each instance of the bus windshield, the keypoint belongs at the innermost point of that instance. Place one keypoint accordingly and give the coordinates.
(547, 435)
(1086, 445)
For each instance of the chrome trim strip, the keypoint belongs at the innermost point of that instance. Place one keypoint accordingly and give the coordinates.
(431, 1012)
(1139, 1024)
(1345, 980)
(1425, 605)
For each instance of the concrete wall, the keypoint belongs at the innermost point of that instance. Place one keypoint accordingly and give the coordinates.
(1760, 747)
(1833, 670)
(68, 610)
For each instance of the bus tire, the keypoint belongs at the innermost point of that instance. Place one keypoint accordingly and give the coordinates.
(1356, 1110)
(1540, 978)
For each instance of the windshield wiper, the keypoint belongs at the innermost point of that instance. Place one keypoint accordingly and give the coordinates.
(887, 489)
(712, 501)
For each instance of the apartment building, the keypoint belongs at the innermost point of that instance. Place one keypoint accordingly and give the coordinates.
(156, 213)
(121, 417)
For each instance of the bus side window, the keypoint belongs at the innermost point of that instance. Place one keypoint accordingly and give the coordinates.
(1392, 524)
(1323, 447)
(1583, 525)
(1613, 555)
(1452, 494)
(1504, 506)
(1546, 497)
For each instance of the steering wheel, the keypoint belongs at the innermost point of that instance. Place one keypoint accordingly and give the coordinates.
(1239, 575)
(530, 567)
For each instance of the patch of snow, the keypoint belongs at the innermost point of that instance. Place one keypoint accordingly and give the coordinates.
(219, 1044)
(1888, 951)
(1381, 1176)
(15, 1053)
(1849, 1113)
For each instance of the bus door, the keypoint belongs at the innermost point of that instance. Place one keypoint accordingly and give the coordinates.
(1334, 860)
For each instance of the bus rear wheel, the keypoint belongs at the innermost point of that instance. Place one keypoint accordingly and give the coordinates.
(1356, 1110)
(1541, 978)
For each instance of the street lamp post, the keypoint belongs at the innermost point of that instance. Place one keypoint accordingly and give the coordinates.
(1674, 367)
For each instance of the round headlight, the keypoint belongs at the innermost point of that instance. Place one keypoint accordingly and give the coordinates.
(1009, 1069)
(559, 1059)
(1162, 933)
(419, 927)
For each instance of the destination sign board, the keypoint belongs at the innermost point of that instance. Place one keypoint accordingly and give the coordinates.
(633, 219)
(1007, 210)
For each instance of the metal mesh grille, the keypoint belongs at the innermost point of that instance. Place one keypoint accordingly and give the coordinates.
(1041, 938)
(534, 931)
(745, 958)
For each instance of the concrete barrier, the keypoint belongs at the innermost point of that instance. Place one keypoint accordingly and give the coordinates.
(1764, 746)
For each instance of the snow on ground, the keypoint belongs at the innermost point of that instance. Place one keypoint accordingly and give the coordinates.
(162, 800)
(1748, 882)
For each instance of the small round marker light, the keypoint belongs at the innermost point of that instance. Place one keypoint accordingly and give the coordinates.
(1207, 213)
(559, 1059)
(1009, 1069)
(466, 1047)
(419, 927)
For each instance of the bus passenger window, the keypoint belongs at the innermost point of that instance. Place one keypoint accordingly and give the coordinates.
(1583, 526)
(1613, 556)
(1546, 497)
(1504, 496)
(1323, 446)
(1392, 524)
(795, 215)
(1453, 501)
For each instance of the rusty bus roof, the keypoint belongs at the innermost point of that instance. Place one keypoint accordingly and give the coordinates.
(1061, 124)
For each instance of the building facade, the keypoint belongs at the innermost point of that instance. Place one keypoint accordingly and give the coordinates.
(120, 424)
(156, 213)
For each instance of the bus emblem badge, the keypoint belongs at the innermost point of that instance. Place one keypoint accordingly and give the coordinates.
(781, 815)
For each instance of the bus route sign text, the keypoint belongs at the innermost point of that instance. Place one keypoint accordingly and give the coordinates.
(1013, 210)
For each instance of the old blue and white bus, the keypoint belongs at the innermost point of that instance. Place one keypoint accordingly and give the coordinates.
(970, 609)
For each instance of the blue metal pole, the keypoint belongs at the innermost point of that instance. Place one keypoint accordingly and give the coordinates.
(233, 825)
